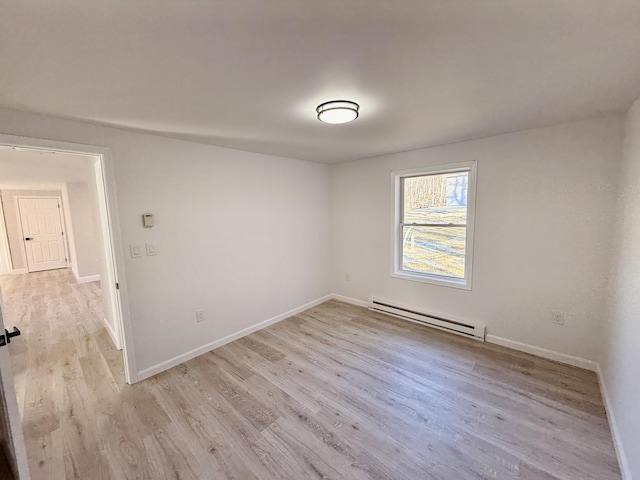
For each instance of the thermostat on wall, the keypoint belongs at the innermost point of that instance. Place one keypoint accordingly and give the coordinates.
(147, 220)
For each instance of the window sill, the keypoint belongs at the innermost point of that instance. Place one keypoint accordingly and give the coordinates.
(462, 283)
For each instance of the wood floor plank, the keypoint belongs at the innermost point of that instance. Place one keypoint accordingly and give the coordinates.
(335, 392)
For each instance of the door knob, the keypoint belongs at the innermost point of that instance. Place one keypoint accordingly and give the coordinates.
(28, 238)
(6, 338)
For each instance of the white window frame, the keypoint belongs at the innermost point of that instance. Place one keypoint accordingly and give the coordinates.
(396, 229)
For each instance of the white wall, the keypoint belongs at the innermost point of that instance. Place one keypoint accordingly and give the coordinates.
(85, 249)
(243, 236)
(621, 353)
(12, 222)
(544, 202)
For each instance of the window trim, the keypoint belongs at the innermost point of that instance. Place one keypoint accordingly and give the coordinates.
(396, 230)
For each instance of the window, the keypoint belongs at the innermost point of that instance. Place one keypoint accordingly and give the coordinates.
(433, 224)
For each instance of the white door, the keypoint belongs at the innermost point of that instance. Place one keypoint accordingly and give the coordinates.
(42, 231)
(11, 438)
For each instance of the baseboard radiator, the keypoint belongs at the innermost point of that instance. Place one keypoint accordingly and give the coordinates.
(461, 327)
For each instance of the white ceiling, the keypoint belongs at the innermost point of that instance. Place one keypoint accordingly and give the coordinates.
(248, 74)
(34, 168)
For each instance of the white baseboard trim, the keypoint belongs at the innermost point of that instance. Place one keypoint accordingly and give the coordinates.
(505, 342)
(112, 333)
(615, 433)
(196, 352)
(523, 347)
(88, 278)
(352, 301)
(544, 353)
(74, 270)
(19, 271)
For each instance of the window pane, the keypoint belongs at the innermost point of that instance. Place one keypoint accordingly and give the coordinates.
(435, 250)
(436, 198)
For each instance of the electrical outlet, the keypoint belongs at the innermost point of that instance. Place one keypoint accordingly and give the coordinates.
(557, 317)
(199, 316)
(347, 277)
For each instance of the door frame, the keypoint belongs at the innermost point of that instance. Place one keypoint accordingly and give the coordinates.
(6, 264)
(63, 224)
(115, 285)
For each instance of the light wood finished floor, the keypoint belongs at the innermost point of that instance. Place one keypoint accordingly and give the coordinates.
(336, 392)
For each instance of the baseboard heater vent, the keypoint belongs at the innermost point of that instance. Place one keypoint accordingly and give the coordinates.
(460, 327)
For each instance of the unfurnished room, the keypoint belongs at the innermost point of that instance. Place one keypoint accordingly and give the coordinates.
(346, 240)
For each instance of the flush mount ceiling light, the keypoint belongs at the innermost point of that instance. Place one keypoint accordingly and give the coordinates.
(337, 111)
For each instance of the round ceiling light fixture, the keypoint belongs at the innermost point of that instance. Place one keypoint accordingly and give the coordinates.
(337, 111)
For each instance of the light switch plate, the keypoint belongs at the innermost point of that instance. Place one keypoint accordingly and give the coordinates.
(135, 251)
(147, 220)
(151, 249)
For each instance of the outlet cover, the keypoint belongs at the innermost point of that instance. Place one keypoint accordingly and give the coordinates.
(557, 317)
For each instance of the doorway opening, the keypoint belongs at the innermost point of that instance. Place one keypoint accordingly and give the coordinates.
(80, 177)
(60, 276)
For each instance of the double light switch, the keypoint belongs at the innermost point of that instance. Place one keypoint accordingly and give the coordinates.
(136, 250)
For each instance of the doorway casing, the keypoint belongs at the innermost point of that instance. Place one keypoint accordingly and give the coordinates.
(114, 285)
(6, 266)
